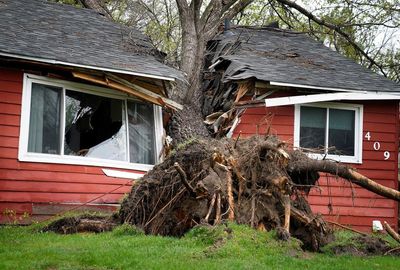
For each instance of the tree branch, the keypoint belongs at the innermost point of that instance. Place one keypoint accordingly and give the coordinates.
(334, 28)
(236, 8)
(347, 174)
(98, 6)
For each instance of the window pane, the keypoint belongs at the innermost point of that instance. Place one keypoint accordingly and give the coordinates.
(341, 132)
(44, 123)
(94, 126)
(312, 127)
(141, 133)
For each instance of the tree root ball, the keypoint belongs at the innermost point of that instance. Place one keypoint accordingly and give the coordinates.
(248, 181)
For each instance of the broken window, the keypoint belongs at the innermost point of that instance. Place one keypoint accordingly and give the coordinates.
(84, 124)
(94, 126)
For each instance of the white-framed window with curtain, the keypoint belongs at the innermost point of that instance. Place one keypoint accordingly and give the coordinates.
(72, 123)
(330, 130)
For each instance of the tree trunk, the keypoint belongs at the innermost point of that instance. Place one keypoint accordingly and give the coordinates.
(199, 23)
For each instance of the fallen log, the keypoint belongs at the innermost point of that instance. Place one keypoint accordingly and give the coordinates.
(344, 172)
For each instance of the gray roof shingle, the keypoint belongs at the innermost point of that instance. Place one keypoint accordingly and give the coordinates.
(275, 55)
(51, 31)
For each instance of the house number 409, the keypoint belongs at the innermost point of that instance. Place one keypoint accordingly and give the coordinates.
(377, 146)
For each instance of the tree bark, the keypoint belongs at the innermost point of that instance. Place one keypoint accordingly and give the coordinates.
(197, 29)
(345, 173)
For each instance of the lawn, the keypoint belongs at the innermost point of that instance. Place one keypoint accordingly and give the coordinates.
(239, 247)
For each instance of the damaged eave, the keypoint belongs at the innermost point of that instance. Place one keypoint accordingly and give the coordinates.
(117, 83)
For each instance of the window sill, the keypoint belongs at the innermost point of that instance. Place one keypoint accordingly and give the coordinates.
(82, 161)
(341, 159)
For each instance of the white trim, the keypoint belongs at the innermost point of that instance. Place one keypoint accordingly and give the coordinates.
(236, 122)
(128, 150)
(57, 62)
(85, 161)
(282, 101)
(25, 118)
(159, 131)
(24, 155)
(121, 174)
(314, 87)
(62, 120)
(358, 130)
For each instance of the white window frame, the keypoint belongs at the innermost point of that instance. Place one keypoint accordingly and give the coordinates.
(358, 130)
(25, 156)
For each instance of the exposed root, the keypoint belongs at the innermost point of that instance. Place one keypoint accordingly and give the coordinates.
(212, 204)
(245, 181)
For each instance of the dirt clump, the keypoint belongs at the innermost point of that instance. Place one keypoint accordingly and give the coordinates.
(364, 245)
(82, 223)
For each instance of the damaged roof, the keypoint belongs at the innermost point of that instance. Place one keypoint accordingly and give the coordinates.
(62, 34)
(283, 57)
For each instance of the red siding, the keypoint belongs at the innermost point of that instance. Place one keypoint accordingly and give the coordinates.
(39, 189)
(351, 205)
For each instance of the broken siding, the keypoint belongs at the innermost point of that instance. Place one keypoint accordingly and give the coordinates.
(40, 189)
(381, 120)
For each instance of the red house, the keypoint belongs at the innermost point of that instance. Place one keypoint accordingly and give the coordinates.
(268, 80)
(80, 109)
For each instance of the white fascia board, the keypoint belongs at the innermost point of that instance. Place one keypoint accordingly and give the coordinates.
(282, 101)
(56, 62)
(122, 174)
(314, 87)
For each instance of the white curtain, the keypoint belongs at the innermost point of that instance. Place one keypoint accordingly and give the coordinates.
(44, 124)
(141, 133)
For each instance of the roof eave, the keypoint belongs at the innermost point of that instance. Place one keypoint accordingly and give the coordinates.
(306, 99)
(57, 62)
(315, 87)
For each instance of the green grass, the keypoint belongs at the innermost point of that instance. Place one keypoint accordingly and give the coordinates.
(201, 248)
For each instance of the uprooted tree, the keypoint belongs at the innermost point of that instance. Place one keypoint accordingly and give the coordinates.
(256, 181)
